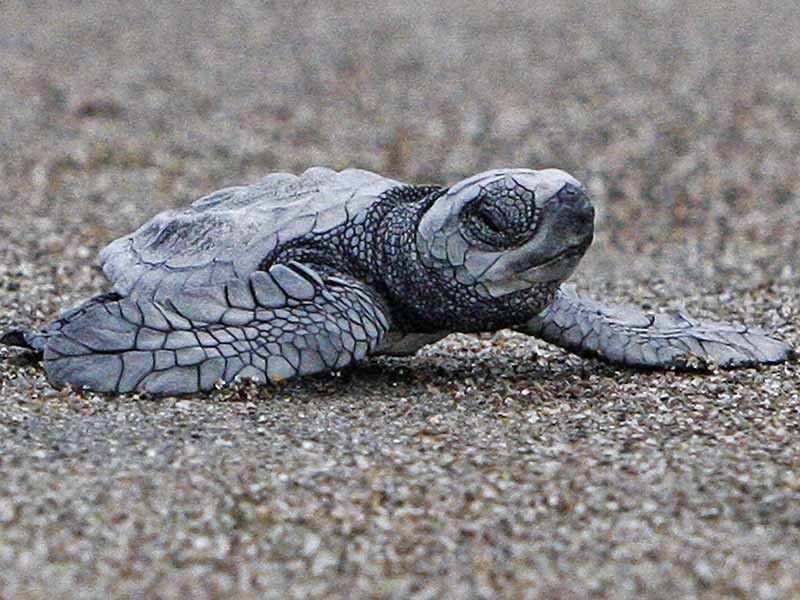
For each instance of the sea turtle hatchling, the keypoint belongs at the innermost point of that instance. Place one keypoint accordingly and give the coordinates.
(300, 275)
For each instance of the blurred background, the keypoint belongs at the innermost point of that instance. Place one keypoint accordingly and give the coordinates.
(683, 119)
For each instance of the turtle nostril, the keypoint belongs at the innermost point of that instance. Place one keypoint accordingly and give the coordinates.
(569, 192)
(574, 198)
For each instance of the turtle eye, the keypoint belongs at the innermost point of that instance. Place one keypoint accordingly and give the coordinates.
(487, 224)
(492, 218)
(499, 218)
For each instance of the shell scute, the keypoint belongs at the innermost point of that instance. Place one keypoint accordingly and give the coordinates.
(225, 235)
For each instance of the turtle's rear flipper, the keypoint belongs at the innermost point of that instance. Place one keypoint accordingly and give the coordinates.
(37, 341)
(291, 320)
(657, 341)
(22, 338)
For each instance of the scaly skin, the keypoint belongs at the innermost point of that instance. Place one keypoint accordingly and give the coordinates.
(281, 323)
(301, 275)
(632, 338)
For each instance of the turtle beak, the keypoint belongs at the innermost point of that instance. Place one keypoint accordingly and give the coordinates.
(569, 222)
(574, 216)
(565, 232)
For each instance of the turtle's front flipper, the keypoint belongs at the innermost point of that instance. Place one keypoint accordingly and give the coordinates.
(661, 341)
(291, 320)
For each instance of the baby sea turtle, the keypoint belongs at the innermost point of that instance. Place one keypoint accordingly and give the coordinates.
(300, 275)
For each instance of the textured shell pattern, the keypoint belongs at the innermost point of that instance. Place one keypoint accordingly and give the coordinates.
(224, 236)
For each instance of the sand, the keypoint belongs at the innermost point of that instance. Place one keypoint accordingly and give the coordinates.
(489, 466)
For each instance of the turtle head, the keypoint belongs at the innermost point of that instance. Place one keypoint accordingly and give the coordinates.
(505, 231)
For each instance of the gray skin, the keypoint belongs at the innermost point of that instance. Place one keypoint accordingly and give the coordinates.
(301, 275)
